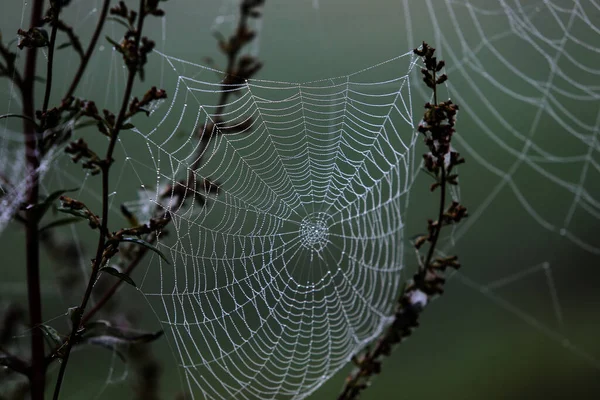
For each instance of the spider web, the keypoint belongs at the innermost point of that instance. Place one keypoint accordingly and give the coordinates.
(294, 265)
(273, 287)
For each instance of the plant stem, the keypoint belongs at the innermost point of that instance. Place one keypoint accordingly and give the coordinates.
(438, 229)
(89, 51)
(442, 181)
(37, 376)
(231, 60)
(77, 318)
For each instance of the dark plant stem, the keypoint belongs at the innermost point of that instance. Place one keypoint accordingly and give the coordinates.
(32, 243)
(232, 56)
(442, 181)
(89, 51)
(105, 169)
(438, 229)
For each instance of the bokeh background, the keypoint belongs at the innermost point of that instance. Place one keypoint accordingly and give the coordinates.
(520, 319)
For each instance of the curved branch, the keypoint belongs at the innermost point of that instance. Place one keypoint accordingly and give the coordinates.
(89, 51)
(25, 117)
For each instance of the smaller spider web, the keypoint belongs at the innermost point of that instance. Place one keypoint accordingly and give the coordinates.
(295, 264)
(15, 177)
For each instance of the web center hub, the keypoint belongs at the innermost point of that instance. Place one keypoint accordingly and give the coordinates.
(314, 232)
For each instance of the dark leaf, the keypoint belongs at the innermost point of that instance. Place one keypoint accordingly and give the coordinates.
(42, 208)
(429, 173)
(102, 333)
(78, 213)
(127, 126)
(62, 3)
(115, 44)
(129, 216)
(64, 45)
(147, 245)
(60, 222)
(118, 21)
(114, 272)
(105, 328)
(51, 334)
(12, 115)
(107, 343)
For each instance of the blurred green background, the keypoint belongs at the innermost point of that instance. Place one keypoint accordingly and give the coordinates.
(526, 78)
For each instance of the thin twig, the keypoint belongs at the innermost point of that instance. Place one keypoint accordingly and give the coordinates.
(442, 206)
(89, 51)
(73, 39)
(25, 117)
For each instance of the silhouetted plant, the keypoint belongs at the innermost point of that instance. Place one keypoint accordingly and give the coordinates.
(46, 128)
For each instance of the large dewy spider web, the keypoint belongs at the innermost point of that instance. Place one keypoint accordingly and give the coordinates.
(294, 266)
(524, 77)
(257, 303)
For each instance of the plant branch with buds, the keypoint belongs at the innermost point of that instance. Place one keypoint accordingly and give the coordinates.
(437, 128)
